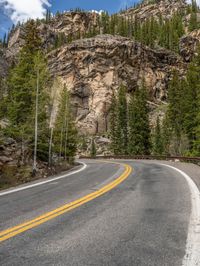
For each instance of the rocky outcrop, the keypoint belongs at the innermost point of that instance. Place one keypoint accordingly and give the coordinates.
(102, 145)
(155, 9)
(74, 22)
(16, 162)
(93, 69)
(70, 24)
(188, 45)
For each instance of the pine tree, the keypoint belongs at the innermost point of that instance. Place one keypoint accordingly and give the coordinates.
(22, 75)
(65, 134)
(22, 84)
(193, 24)
(5, 42)
(166, 135)
(157, 139)
(93, 151)
(182, 111)
(139, 130)
(48, 16)
(137, 29)
(113, 125)
(104, 21)
(191, 101)
(194, 6)
(169, 32)
(122, 121)
(196, 144)
(175, 105)
(40, 106)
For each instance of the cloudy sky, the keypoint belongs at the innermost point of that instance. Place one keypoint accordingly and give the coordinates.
(12, 11)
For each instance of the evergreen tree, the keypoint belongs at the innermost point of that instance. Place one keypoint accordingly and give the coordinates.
(21, 77)
(191, 101)
(193, 24)
(139, 130)
(122, 121)
(175, 107)
(93, 151)
(194, 6)
(5, 41)
(104, 21)
(40, 107)
(65, 134)
(166, 135)
(113, 126)
(122, 27)
(196, 144)
(137, 29)
(170, 31)
(158, 139)
(84, 145)
(48, 16)
(22, 84)
(181, 125)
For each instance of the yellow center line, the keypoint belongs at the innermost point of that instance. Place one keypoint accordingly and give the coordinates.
(13, 231)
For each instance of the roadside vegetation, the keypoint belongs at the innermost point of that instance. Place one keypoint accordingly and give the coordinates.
(26, 105)
(178, 133)
(26, 101)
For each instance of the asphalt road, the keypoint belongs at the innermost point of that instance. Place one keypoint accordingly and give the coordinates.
(143, 221)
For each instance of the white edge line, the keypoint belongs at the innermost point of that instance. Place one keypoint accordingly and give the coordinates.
(44, 182)
(192, 255)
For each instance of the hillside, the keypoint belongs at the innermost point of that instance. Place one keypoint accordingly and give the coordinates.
(102, 63)
(156, 9)
(97, 58)
(94, 68)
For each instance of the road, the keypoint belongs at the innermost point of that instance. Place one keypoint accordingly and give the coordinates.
(141, 220)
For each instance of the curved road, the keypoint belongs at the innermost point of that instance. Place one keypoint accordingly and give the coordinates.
(142, 221)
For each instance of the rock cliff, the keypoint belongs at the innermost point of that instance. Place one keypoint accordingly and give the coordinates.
(94, 68)
(148, 9)
(189, 44)
(69, 24)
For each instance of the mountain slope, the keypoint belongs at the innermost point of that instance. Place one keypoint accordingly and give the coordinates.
(148, 9)
(93, 68)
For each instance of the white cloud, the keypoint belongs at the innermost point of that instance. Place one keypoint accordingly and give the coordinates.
(22, 10)
(97, 12)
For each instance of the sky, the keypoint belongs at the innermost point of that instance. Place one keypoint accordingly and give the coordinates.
(12, 11)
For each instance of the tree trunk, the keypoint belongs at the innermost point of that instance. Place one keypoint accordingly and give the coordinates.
(36, 126)
(50, 148)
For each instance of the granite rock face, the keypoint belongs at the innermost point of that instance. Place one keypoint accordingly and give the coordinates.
(94, 68)
(188, 45)
(70, 24)
(147, 9)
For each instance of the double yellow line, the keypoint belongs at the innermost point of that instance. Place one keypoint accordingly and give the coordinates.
(13, 231)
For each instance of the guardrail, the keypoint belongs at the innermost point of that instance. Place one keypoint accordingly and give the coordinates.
(147, 157)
